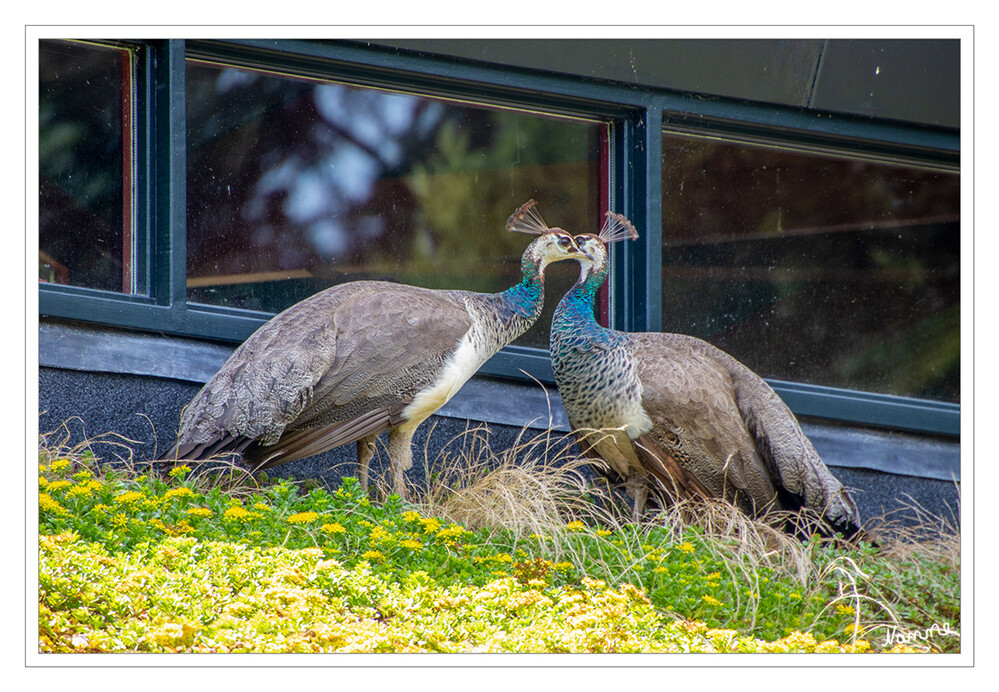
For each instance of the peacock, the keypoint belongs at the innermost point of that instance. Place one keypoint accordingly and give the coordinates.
(674, 410)
(357, 359)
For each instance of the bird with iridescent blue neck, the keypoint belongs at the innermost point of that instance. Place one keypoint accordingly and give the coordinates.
(357, 359)
(674, 410)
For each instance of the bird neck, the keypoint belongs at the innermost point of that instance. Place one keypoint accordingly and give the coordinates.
(526, 298)
(575, 310)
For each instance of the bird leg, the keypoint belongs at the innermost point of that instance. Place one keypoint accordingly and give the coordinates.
(638, 488)
(365, 452)
(400, 451)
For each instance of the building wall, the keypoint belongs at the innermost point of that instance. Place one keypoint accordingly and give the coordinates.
(895, 79)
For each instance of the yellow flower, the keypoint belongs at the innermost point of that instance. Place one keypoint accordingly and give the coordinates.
(83, 476)
(451, 534)
(332, 528)
(303, 518)
(47, 504)
(575, 526)
(79, 491)
(126, 497)
(711, 600)
(236, 512)
(602, 532)
(844, 609)
(181, 470)
(261, 507)
(372, 555)
(411, 516)
(60, 465)
(411, 544)
(686, 547)
(199, 512)
(66, 537)
(58, 485)
(179, 492)
(42, 481)
(377, 534)
(430, 525)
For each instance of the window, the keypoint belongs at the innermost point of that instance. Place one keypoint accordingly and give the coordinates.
(294, 185)
(823, 269)
(85, 167)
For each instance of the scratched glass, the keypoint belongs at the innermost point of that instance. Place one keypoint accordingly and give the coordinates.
(819, 269)
(84, 195)
(295, 185)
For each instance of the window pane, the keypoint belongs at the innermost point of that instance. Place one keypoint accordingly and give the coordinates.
(297, 185)
(815, 269)
(85, 235)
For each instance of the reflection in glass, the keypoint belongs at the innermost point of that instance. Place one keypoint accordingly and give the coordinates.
(297, 185)
(813, 268)
(84, 208)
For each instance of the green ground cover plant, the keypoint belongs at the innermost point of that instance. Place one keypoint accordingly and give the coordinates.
(508, 553)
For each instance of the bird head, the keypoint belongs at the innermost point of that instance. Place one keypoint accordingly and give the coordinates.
(553, 243)
(594, 245)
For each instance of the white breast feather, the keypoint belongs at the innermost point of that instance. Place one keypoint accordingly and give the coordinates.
(636, 421)
(463, 363)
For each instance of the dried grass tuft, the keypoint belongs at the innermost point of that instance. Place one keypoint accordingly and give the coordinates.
(535, 486)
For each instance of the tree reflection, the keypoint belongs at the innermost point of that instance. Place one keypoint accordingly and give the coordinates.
(327, 182)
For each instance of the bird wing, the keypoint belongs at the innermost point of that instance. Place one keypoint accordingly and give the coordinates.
(660, 463)
(691, 401)
(791, 460)
(390, 344)
(300, 444)
(331, 358)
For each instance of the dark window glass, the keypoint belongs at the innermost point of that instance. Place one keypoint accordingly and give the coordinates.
(296, 185)
(85, 226)
(814, 268)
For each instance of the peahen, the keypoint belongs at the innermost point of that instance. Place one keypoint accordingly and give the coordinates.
(676, 409)
(357, 359)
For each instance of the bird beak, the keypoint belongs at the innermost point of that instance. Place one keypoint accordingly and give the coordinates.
(583, 252)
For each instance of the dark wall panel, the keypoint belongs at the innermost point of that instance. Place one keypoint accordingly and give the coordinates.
(900, 79)
(916, 81)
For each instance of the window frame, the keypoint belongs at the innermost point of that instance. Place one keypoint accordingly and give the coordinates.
(636, 117)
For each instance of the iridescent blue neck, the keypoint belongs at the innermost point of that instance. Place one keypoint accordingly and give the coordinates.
(526, 297)
(576, 307)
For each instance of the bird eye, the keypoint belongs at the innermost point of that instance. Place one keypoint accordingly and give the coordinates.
(563, 241)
